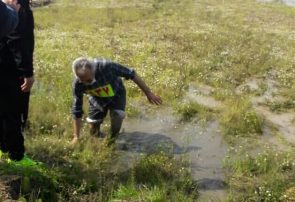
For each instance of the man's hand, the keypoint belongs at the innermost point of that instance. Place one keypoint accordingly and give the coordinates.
(28, 83)
(13, 4)
(154, 99)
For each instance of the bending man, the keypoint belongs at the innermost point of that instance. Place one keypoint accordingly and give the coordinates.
(101, 80)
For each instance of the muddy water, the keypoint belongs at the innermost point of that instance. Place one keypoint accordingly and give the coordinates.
(203, 146)
(287, 2)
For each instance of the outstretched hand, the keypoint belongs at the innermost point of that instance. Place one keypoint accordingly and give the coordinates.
(154, 99)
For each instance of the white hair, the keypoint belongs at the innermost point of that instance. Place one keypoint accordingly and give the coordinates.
(82, 63)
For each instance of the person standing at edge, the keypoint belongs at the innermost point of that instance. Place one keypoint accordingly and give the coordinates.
(8, 16)
(16, 79)
(26, 77)
(101, 80)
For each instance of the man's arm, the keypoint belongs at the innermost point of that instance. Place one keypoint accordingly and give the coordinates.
(154, 99)
(128, 73)
(77, 111)
(21, 45)
(77, 128)
(28, 42)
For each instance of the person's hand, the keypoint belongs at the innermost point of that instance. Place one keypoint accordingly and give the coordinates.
(28, 83)
(13, 4)
(154, 99)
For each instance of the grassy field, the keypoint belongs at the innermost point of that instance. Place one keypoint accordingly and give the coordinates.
(171, 44)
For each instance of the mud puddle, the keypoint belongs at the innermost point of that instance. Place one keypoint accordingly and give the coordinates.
(202, 144)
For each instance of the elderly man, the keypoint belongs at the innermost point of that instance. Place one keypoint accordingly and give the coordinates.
(8, 16)
(101, 80)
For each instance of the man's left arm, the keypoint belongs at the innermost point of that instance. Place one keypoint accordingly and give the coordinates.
(154, 99)
(28, 44)
(21, 44)
(128, 73)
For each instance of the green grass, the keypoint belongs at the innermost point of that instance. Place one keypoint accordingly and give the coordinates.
(170, 44)
(267, 176)
(188, 111)
(239, 119)
(155, 178)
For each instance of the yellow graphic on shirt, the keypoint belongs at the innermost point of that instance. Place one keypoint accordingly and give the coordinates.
(104, 91)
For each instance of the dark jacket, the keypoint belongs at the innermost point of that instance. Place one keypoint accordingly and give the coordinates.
(8, 19)
(16, 49)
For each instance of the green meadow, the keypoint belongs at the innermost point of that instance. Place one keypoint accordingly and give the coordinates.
(172, 45)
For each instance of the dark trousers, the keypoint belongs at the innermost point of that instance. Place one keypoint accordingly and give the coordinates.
(11, 137)
(24, 106)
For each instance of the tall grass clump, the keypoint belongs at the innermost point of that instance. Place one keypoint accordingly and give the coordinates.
(239, 119)
(158, 177)
(187, 111)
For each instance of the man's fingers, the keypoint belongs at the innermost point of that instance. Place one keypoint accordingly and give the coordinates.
(28, 83)
(24, 84)
(156, 100)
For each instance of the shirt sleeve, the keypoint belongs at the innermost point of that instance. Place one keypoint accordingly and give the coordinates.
(21, 43)
(122, 71)
(77, 110)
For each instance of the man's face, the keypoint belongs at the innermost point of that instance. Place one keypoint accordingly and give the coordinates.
(86, 77)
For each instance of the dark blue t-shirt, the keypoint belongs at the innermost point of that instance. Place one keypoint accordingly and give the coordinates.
(108, 84)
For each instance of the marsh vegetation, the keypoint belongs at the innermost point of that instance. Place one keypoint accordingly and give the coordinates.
(236, 55)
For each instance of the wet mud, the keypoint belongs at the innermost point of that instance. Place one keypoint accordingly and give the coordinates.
(201, 143)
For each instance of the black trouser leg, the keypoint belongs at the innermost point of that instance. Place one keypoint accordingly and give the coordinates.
(25, 99)
(13, 136)
(11, 139)
(3, 146)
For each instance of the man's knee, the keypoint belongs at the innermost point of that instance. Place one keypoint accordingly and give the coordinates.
(117, 117)
(117, 114)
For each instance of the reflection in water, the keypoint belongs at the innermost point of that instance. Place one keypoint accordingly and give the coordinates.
(201, 143)
(141, 142)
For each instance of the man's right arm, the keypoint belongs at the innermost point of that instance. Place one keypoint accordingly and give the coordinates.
(77, 129)
(77, 111)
